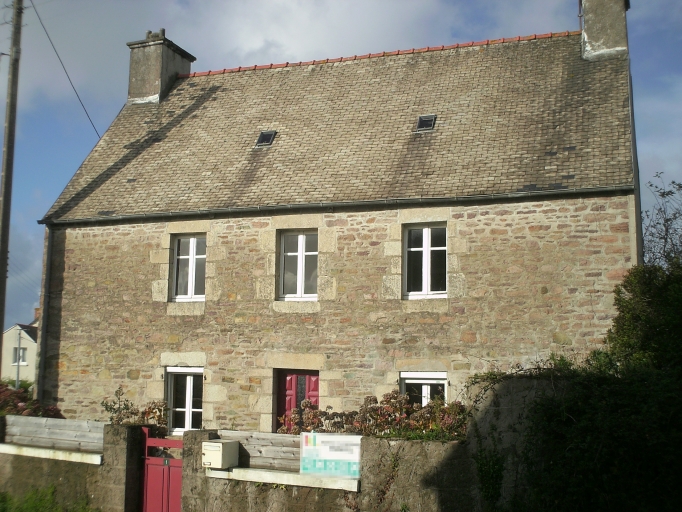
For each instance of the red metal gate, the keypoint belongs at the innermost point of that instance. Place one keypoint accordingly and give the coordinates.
(162, 476)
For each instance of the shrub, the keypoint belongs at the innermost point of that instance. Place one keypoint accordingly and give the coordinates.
(124, 412)
(393, 416)
(21, 403)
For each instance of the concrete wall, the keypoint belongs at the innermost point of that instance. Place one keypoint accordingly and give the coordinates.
(525, 279)
(9, 342)
(112, 487)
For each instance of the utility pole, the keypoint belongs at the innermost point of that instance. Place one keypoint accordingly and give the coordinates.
(8, 154)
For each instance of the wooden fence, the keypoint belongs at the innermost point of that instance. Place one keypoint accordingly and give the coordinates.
(72, 435)
(266, 451)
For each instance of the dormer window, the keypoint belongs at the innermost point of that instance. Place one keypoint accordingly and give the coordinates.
(266, 138)
(426, 123)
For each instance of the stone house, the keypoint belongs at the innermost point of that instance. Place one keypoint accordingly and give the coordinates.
(242, 239)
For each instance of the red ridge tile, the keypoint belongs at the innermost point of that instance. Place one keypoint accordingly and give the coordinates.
(386, 54)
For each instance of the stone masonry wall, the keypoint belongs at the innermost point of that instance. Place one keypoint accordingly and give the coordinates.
(524, 279)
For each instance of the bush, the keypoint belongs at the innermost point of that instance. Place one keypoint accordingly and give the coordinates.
(21, 403)
(124, 412)
(393, 416)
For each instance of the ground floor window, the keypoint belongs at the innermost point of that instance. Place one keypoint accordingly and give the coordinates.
(421, 387)
(294, 386)
(184, 391)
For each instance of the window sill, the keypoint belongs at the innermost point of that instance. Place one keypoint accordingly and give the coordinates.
(430, 305)
(268, 476)
(299, 306)
(21, 364)
(195, 308)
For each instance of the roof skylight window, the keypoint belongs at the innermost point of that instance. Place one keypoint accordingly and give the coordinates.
(266, 138)
(426, 123)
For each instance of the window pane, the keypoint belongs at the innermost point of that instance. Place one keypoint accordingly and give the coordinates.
(201, 247)
(289, 272)
(300, 390)
(196, 419)
(414, 392)
(438, 270)
(179, 391)
(183, 247)
(290, 243)
(414, 271)
(197, 390)
(415, 238)
(438, 237)
(310, 283)
(311, 243)
(178, 419)
(200, 276)
(437, 391)
(182, 277)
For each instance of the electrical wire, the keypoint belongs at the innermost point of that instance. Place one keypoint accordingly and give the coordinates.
(65, 71)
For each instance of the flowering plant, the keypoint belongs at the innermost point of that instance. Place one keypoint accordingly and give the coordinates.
(393, 416)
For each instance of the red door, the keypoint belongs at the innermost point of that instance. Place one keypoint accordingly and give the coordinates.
(162, 477)
(294, 386)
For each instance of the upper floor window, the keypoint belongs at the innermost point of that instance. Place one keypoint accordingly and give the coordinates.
(189, 264)
(19, 356)
(298, 266)
(425, 262)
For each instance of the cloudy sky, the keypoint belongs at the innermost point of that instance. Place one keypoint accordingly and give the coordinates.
(54, 135)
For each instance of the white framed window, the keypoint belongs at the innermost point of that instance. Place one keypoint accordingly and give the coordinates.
(189, 268)
(425, 262)
(22, 356)
(298, 265)
(184, 393)
(421, 387)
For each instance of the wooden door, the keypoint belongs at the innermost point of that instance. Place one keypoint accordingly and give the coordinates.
(294, 386)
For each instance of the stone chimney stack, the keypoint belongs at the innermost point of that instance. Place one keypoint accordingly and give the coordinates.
(604, 28)
(155, 63)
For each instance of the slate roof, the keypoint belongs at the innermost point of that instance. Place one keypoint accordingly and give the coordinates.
(522, 116)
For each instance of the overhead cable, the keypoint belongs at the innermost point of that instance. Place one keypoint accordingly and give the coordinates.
(65, 71)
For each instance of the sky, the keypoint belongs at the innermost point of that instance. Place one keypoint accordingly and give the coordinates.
(54, 134)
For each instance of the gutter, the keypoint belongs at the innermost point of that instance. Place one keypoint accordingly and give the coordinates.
(344, 205)
(44, 317)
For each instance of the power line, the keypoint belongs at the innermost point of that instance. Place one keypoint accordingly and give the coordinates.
(65, 71)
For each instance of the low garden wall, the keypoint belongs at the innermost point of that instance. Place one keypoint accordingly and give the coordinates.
(109, 481)
(396, 475)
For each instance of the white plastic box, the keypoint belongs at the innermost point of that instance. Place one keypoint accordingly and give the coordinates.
(219, 454)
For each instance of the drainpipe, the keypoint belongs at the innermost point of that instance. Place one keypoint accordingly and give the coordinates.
(40, 388)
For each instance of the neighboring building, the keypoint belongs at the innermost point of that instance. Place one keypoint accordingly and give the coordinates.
(19, 349)
(239, 240)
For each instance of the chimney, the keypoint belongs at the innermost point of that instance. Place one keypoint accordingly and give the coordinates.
(155, 63)
(605, 32)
